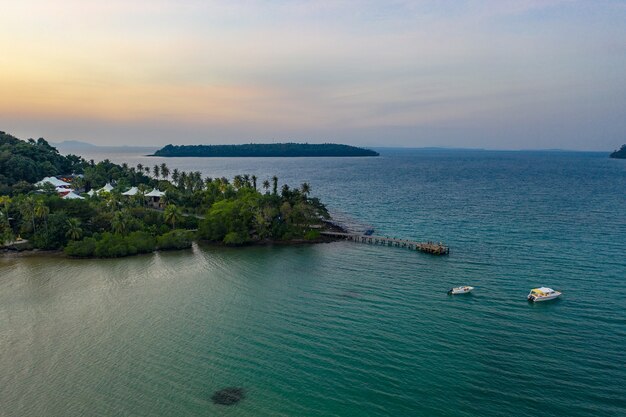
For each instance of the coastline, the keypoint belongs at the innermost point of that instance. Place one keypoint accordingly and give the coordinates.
(7, 252)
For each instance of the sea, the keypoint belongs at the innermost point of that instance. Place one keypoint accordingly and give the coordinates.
(346, 329)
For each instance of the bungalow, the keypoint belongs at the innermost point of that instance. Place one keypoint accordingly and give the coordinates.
(132, 191)
(72, 196)
(156, 198)
(106, 189)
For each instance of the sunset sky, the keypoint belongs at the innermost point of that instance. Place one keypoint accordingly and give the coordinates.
(502, 74)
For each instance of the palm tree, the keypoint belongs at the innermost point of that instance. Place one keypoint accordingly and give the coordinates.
(266, 186)
(119, 223)
(305, 189)
(74, 232)
(246, 180)
(175, 175)
(254, 181)
(165, 171)
(140, 168)
(238, 181)
(156, 171)
(172, 215)
(41, 212)
(197, 180)
(146, 170)
(275, 185)
(284, 190)
(182, 180)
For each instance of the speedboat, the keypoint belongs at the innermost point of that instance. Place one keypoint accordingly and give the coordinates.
(542, 294)
(460, 290)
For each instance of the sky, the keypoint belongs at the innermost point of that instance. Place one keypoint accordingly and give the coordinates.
(501, 74)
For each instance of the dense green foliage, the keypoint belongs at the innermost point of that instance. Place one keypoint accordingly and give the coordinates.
(29, 161)
(23, 163)
(111, 224)
(267, 149)
(621, 153)
(251, 216)
(176, 239)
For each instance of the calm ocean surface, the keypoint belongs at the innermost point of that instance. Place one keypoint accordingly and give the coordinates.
(345, 329)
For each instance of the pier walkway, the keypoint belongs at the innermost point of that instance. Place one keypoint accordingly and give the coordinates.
(426, 247)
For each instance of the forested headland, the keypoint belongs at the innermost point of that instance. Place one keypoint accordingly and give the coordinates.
(620, 154)
(240, 211)
(265, 150)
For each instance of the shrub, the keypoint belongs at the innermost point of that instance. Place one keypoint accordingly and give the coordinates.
(312, 235)
(113, 246)
(81, 248)
(144, 242)
(176, 239)
(235, 239)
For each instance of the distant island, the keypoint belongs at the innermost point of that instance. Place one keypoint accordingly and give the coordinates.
(620, 154)
(264, 150)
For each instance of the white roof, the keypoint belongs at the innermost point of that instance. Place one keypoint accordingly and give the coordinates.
(72, 196)
(545, 289)
(107, 188)
(132, 191)
(54, 181)
(91, 192)
(155, 193)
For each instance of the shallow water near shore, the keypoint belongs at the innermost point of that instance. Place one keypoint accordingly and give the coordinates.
(344, 329)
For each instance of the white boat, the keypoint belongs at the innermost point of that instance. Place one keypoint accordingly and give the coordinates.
(542, 294)
(460, 290)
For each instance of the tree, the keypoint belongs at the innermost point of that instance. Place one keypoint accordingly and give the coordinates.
(254, 178)
(172, 215)
(266, 186)
(27, 210)
(119, 223)
(74, 232)
(238, 181)
(140, 168)
(175, 175)
(41, 212)
(275, 185)
(156, 171)
(6, 233)
(182, 180)
(165, 171)
(305, 189)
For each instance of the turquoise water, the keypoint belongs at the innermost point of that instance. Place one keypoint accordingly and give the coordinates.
(344, 329)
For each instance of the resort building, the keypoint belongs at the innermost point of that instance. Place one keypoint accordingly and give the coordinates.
(132, 191)
(156, 198)
(54, 181)
(72, 196)
(106, 189)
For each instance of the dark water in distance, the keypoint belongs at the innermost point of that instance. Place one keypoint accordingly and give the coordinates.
(344, 329)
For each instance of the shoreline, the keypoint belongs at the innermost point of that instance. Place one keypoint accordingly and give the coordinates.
(25, 253)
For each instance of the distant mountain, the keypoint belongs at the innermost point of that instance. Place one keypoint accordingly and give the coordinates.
(74, 144)
(620, 154)
(265, 150)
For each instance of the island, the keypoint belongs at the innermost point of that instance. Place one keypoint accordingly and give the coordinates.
(619, 154)
(85, 209)
(264, 150)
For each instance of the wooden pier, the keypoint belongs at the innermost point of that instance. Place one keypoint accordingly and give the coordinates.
(426, 247)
